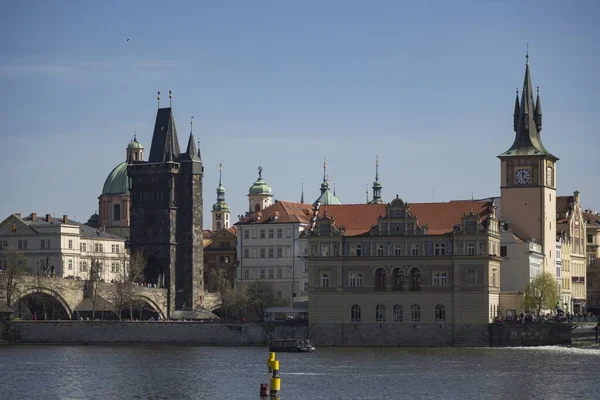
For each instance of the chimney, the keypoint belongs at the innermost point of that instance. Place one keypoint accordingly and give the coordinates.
(18, 215)
(33, 215)
(48, 218)
(65, 219)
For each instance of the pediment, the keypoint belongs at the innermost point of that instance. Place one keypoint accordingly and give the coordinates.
(14, 226)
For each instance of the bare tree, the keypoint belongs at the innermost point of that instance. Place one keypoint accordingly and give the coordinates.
(124, 288)
(92, 284)
(44, 278)
(260, 296)
(12, 275)
(233, 300)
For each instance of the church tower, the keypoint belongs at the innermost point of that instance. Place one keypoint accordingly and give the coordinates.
(221, 214)
(260, 195)
(377, 186)
(528, 177)
(166, 214)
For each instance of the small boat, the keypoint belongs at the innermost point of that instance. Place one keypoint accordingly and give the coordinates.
(291, 346)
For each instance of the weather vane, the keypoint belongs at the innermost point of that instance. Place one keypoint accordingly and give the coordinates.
(170, 98)
(158, 99)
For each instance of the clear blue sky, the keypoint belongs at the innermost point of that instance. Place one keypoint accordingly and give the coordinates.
(428, 86)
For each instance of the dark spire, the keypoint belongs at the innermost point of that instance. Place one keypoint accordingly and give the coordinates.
(191, 152)
(377, 185)
(538, 111)
(516, 113)
(165, 143)
(302, 195)
(325, 184)
(527, 138)
(199, 156)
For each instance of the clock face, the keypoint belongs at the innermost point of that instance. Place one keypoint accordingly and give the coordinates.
(522, 176)
(549, 176)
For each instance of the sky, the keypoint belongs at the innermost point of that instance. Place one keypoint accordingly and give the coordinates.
(427, 86)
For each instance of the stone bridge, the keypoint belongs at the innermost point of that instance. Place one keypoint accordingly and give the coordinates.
(67, 295)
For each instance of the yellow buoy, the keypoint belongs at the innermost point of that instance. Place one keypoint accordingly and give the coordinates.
(275, 365)
(275, 385)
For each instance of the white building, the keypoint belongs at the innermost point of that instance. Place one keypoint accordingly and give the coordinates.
(268, 248)
(522, 261)
(63, 246)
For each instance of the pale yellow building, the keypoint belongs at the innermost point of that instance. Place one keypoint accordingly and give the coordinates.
(592, 220)
(566, 301)
(403, 274)
(571, 224)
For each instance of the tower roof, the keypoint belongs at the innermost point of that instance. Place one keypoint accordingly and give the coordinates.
(134, 144)
(221, 205)
(165, 143)
(117, 181)
(527, 124)
(326, 196)
(260, 186)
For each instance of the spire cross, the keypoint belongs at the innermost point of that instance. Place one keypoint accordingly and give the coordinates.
(527, 55)
(158, 99)
(324, 169)
(220, 170)
(377, 168)
(170, 98)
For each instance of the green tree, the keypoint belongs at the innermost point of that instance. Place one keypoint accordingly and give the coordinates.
(11, 276)
(541, 293)
(260, 296)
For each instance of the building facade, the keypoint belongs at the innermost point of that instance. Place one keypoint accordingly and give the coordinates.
(220, 256)
(522, 261)
(563, 250)
(62, 247)
(570, 224)
(167, 214)
(269, 249)
(592, 220)
(401, 274)
(260, 195)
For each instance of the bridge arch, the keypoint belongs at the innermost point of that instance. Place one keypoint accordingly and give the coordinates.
(152, 304)
(52, 294)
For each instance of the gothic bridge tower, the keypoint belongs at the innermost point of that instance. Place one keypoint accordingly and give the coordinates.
(166, 214)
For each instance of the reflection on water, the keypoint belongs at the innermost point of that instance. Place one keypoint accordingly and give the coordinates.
(181, 372)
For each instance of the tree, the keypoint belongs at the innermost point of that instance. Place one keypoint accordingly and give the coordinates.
(12, 275)
(541, 293)
(44, 278)
(233, 300)
(260, 296)
(92, 284)
(124, 289)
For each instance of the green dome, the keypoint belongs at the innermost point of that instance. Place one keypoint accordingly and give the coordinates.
(221, 207)
(117, 181)
(260, 187)
(134, 144)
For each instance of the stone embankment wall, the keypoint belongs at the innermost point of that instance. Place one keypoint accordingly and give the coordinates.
(113, 332)
(530, 334)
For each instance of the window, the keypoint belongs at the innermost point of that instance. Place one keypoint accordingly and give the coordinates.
(380, 250)
(271, 235)
(471, 248)
(397, 313)
(591, 259)
(253, 233)
(440, 313)
(262, 273)
(324, 280)
(262, 233)
(380, 313)
(279, 252)
(279, 273)
(112, 248)
(246, 234)
(355, 279)
(279, 233)
(415, 313)
(380, 278)
(590, 238)
(116, 212)
(503, 251)
(398, 279)
(271, 275)
(494, 278)
(83, 267)
(439, 249)
(305, 286)
(20, 246)
(415, 279)
(414, 250)
(246, 273)
(263, 252)
(218, 225)
(271, 252)
(70, 264)
(44, 244)
(355, 313)
(114, 267)
(397, 250)
(246, 253)
(70, 244)
(440, 279)
(288, 233)
(324, 250)
(358, 250)
(3, 244)
(279, 294)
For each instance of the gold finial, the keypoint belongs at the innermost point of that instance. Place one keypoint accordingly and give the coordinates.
(158, 98)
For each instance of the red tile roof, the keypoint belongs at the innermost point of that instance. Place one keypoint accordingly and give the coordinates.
(286, 212)
(439, 217)
(591, 219)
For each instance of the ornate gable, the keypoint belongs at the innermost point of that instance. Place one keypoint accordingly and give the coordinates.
(326, 226)
(14, 225)
(398, 221)
(470, 224)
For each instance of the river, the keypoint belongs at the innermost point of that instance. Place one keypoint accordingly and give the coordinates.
(185, 372)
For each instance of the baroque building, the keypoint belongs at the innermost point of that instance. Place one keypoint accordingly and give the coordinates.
(220, 256)
(403, 274)
(260, 195)
(114, 202)
(62, 247)
(167, 214)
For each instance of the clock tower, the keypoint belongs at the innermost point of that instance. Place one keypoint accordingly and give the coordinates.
(221, 213)
(528, 177)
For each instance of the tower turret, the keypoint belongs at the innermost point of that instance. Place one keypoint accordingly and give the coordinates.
(220, 210)
(377, 186)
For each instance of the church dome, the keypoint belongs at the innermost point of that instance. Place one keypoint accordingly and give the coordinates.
(134, 144)
(221, 207)
(260, 187)
(117, 181)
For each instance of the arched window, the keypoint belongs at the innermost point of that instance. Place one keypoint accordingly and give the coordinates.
(257, 208)
(380, 277)
(218, 225)
(380, 313)
(415, 313)
(415, 279)
(355, 313)
(397, 313)
(440, 313)
(398, 279)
